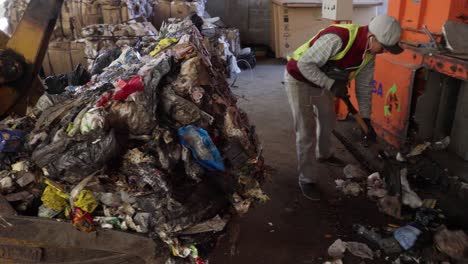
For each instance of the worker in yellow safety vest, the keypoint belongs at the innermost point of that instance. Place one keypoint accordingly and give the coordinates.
(319, 71)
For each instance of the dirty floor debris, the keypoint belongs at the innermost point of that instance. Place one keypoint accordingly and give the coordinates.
(302, 230)
(292, 229)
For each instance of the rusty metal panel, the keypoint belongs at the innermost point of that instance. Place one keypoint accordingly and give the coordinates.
(450, 66)
(392, 94)
(459, 142)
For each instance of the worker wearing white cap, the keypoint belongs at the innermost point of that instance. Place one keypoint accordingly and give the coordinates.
(312, 87)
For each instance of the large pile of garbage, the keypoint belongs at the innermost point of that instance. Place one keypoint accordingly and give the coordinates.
(152, 142)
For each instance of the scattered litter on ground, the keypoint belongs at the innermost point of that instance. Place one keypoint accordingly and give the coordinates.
(390, 205)
(348, 187)
(339, 247)
(410, 198)
(400, 157)
(407, 236)
(353, 172)
(441, 145)
(452, 243)
(419, 149)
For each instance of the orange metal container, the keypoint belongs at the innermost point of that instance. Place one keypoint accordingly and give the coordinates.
(393, 90)
(395, 75)
(413, 14)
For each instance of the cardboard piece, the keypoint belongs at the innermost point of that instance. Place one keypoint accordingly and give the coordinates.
(294, 22)
(63, 56)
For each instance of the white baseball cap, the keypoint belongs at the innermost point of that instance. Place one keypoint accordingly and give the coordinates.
(387, 30)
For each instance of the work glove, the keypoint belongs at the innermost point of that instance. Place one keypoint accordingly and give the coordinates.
(341, 77)
(340, 89)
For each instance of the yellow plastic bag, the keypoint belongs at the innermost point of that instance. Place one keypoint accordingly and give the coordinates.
(54, 197)
(163, 44)
(86, 201)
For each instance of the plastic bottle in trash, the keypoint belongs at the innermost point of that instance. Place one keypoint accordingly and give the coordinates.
(369, 235)
(388, 245)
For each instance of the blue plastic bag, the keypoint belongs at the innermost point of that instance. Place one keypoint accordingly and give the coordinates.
(202, 147)
(407, 236)
(11, 140)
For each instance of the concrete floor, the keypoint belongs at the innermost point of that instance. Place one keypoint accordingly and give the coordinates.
(289, 228)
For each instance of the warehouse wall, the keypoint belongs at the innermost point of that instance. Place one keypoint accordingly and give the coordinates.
(252, 17)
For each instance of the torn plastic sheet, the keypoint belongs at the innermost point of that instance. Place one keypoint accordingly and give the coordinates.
(132, 116)
(180, 110)
(11, 140)
(148, 175)
(229, 56)
(452, 243)
(202, 147)
(192, 169)
(216, 224)
(410, 198)
(105, 58)
(126, 88)
(339, 247)
(93, 119)
(166, 148)
(76, 157)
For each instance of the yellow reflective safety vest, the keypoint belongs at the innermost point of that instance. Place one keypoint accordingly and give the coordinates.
(353, 33)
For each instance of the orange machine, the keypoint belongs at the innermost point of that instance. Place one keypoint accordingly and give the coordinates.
(402, 83)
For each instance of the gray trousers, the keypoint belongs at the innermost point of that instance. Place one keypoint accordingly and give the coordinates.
(310, 104)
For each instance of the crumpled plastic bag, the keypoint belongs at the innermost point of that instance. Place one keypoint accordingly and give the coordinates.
(407, 236)
(11, 140)
(86, 201)
(192, 169)
(147, 174)
(93, 119)
(163, 44)
(105, 58)
(48, 100)
(193, 73)
(352, 171)
(72, 159)
(152, 91)
(339, 247)
(390, 205)
(409, 198)
(57, 84)
(452, 243)
(126, 88)
(132, 115)
(202, 147)
(179, 109)
(54, 198)
(166, 149)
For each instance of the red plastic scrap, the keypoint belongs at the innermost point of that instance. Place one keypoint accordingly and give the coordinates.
(199, 260)
(82, 220)
(105, 98)
(126, 88)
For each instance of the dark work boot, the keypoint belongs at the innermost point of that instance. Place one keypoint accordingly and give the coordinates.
(310, 191)
(332, 161)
